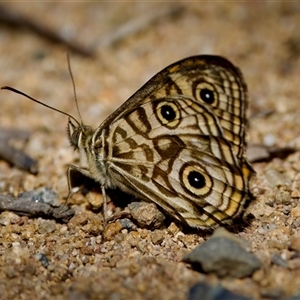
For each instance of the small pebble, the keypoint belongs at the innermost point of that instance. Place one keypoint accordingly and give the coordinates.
(224, 256)
(42, 258)
(295, 212)
(266, 227)
(17, 254)
(86, 250)
(111, 230)
(295, 194)
(7, 218)
(127, 224)
(95, 199)
(283, 197)
(143, 247)
(277, 259)
(157, 237)
(46, 226)
(173, 229)
(146, 214)
(78, 220)
(133, 238)
(94, 225)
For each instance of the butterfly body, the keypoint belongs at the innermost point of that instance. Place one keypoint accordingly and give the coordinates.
(179, 141)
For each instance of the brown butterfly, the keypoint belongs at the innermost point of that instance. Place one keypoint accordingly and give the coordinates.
(179, 142)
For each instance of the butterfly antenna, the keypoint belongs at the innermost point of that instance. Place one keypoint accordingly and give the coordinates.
(74, 88)
(39, 102)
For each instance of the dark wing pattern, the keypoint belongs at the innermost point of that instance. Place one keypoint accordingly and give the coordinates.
(179, 141)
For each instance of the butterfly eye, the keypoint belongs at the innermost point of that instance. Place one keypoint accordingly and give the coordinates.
(168, 114)
(207, 96)
(196, 180)
(75, 138)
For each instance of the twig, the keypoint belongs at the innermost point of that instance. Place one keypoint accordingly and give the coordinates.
(138, 24)
(11, 18)
(262, 153)
(26, 206)
(14, 156)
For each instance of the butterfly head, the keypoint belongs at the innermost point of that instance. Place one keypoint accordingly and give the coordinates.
(79, 135)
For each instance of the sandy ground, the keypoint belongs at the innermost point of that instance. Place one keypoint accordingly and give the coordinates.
(262, 38)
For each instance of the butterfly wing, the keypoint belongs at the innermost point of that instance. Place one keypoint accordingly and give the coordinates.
(172, 152)
(179, 141)
(211, 80)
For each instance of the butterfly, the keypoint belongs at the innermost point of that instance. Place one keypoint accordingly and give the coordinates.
(179, 142)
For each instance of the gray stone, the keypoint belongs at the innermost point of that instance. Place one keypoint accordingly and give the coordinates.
(224, 256)
(43, 195)
(203, 291)
(42, 258)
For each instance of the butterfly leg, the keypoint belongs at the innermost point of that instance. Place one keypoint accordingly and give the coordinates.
(105, 217)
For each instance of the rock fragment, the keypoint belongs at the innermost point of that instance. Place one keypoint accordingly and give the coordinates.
(147, 215)
(202, 290)
(225, 255)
